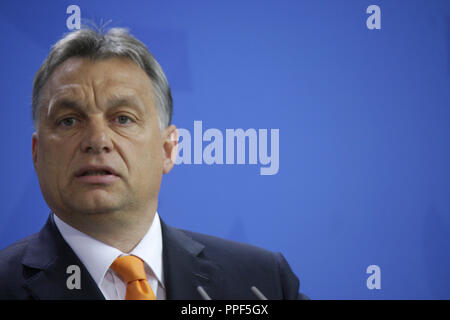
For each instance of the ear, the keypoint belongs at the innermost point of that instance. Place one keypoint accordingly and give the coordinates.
(170, 147)
(34, 148)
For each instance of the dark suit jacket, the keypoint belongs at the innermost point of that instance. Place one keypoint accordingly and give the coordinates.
(35, 268)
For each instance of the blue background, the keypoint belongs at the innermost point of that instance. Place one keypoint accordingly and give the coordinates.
(364, 119)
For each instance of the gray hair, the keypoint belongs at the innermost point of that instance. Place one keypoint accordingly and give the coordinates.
(116, 42)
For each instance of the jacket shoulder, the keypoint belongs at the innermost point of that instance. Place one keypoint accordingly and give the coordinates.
(12, 272)
(228, 249)
(14, 252)
(249, 265)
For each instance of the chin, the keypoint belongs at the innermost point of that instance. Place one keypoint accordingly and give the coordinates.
(98, 210)
(96, 204)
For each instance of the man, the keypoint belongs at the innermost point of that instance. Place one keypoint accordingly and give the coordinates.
(102, 109)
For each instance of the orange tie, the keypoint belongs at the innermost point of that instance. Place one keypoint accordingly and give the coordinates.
(131, 269)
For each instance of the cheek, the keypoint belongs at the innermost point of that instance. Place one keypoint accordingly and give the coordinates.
(149, 154)
(53, 157)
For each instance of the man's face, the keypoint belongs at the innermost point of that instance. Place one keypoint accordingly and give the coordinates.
(99, 147)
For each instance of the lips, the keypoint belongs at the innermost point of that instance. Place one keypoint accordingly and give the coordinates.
(95, 171)
(96, 175)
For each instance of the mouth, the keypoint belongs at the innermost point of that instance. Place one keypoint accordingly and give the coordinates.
(96, 175)
(95, 171)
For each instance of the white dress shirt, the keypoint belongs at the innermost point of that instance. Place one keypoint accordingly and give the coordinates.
(97, 257)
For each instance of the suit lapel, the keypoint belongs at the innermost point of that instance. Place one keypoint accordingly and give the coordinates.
(46, 261)
(186, 268)
(48, 256)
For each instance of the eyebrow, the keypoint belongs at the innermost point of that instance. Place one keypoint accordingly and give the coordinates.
(64, 103)
(113, 103)
(129, 101)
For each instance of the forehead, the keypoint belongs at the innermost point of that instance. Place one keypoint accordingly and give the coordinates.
(107, 76)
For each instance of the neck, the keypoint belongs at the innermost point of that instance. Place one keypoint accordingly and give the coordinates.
(121, 230)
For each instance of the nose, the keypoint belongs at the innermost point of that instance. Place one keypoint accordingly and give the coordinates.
(96, 137)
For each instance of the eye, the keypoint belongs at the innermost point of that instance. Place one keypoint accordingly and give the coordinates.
(67, 122)
(123, 119)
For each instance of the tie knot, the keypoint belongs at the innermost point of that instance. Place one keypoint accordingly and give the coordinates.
(130, 268)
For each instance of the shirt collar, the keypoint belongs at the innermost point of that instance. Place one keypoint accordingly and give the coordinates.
(97, 256)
